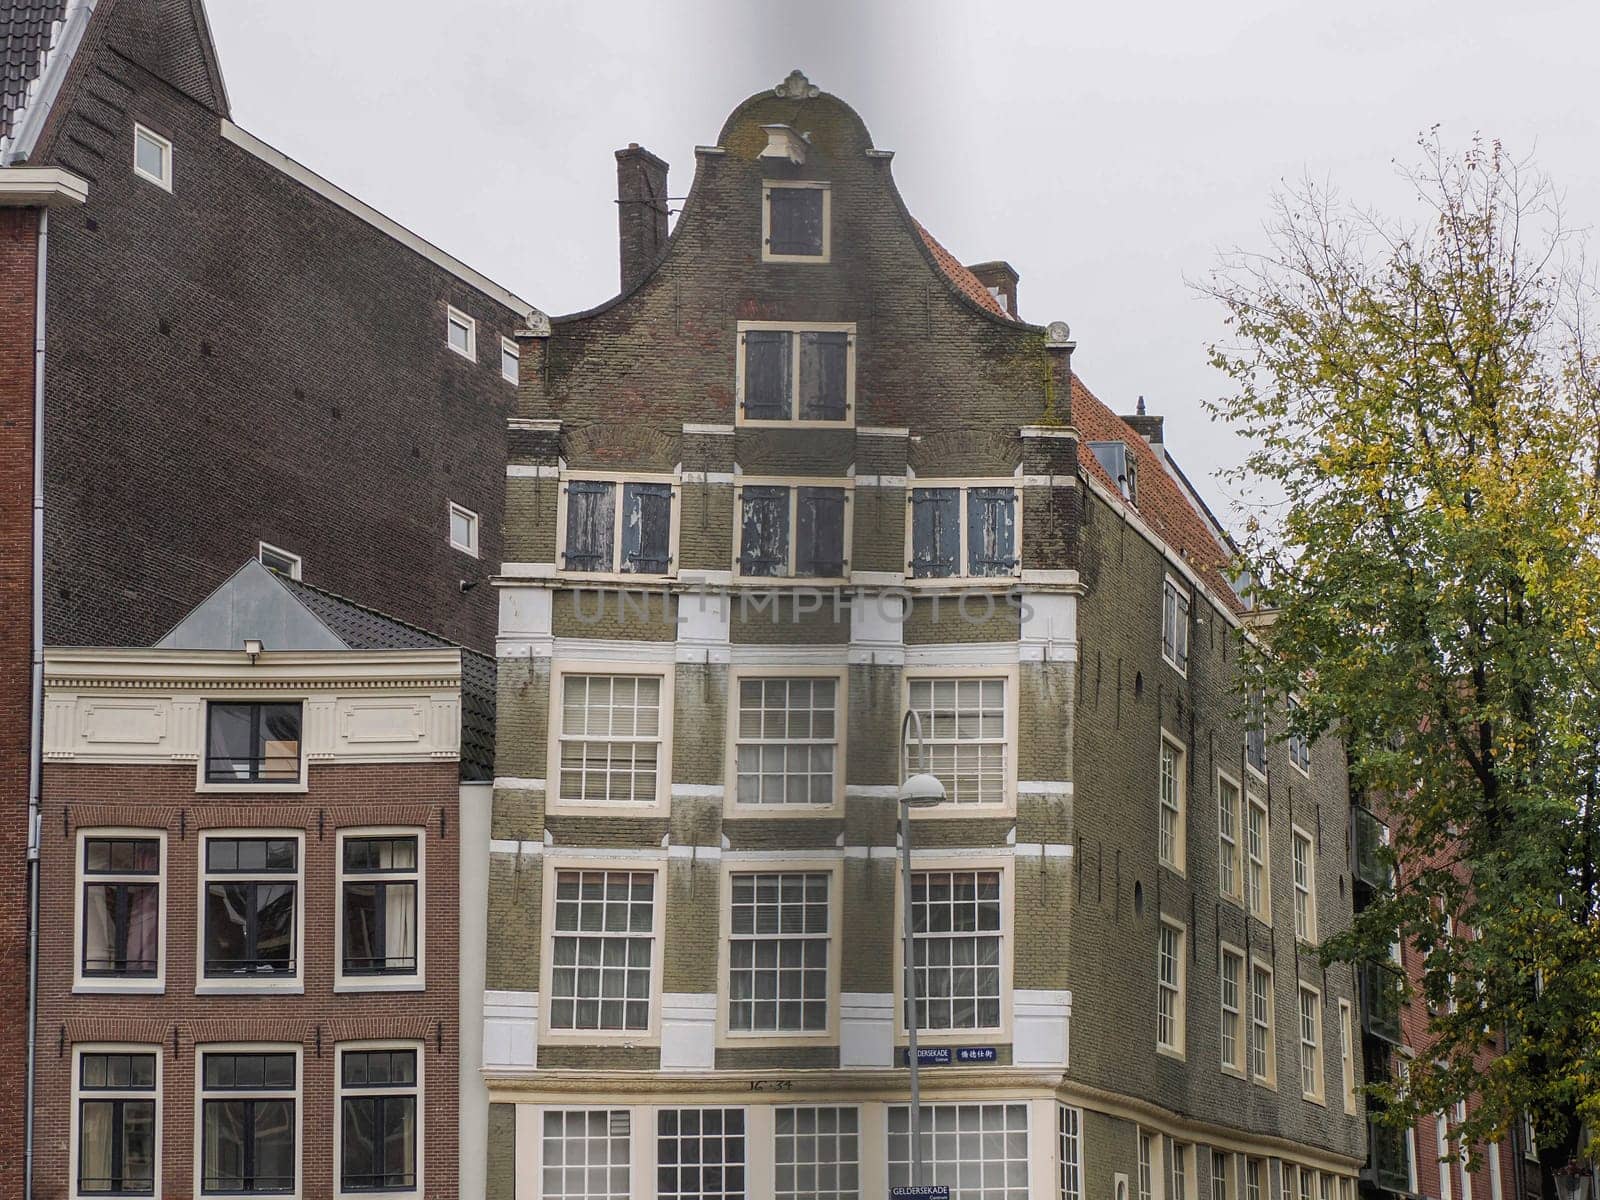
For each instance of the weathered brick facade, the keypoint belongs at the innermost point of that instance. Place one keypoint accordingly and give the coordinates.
(947, 387)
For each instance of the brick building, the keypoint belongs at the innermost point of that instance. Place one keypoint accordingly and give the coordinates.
(249, 862)
(806, 474)
(209, 352)
(1428, 1159)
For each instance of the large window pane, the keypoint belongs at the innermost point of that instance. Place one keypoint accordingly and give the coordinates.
(964, 731)
(816, 1154)
(786, 741)
(778, 953)
(610, 737)
(956, 930)
(700, 1154)
(587, 1155)
(252, 742)
(602, 949)
(978, 1151)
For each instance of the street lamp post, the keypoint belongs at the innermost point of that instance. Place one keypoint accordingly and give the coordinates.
(918, 791)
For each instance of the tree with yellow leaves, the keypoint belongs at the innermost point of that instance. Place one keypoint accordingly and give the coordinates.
(1421, 405)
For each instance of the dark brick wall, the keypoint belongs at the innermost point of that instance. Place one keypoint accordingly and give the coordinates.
(339, 797)
(240, 359)
(18, 273)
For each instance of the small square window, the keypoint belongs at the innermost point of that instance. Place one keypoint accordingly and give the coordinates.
(152, 157)
(510, 359)
(253, 743)
(464, 529)
(796, 221)
(279, 560)
(461, 333)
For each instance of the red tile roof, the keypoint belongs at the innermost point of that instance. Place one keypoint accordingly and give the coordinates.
(1163, 504)
(964, 279)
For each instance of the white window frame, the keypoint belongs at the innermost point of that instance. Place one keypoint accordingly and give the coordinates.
(937, 863)
(1069, 1128)
(930, 1164)
(617, 480)
(794, 484)
(1175, 856)
(560, 670)
(200, 1050)
(1347, 1057)
(837, 1137)
(202, 784)
(1312, 1061)
(293, 984)
(454, 316)
(1304, 872)
(163, 180)
(795, 328)
(963, 562)
(1446, 1158)
(1177, 988)
(840, 678)
(510, 350)
(339, 1091)
(829, 1034)
(381, 983)
(768, 186)
(471, 544)
(96, 984)
(553, 866)
(1496, 1184)
(1262, 911)
(1463, 1151)
(1222, 1185)
(1179, 1158)
(633, 1115)
(74, 1150)
(1255, 1179)
(952, 808)
(296, 563)
(1183, 603)
(1269, 1040)
(1148, 1168)
(1230, 847)
(1239, 1011)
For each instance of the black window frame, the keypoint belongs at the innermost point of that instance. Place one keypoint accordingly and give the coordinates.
(403, 1094)
(117, 880)
(119, 1097)
(251, 966)
(257, 760)
(249, 1095)
(381, 879)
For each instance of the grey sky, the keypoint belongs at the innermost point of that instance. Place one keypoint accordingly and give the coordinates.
(1107, 151)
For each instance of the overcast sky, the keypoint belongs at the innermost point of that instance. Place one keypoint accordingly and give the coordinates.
(1108, 151)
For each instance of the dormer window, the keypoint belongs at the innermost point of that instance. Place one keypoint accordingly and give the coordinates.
(791, 373)
(796, 221)
(1120, 464)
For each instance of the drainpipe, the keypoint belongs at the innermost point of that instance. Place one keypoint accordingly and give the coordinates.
(36, 712)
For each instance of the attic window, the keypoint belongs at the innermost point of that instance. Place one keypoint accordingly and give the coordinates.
(796, 220)
(464, 529)
(1120, 464)
(281, 561)
(461, 333)
(152, 157)
(510, 360)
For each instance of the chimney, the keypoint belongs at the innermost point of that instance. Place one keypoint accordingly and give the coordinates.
(1001, 280)
(1147, 427)
(641, 211)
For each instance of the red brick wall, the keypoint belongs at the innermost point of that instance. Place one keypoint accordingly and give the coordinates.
(18, 259)
(340, 797)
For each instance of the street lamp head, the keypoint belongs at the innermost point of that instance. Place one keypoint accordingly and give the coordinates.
(1572, 1181)
(921, 791)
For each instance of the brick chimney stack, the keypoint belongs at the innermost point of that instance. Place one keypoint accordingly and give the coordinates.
(1146, 426)
(1001, 280)
(641, 211)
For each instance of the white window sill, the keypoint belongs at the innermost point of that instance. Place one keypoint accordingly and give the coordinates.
(407, 984)
(948, 1037)
(639, 1040)
(282, 788)
(767, 812)
(114, 987)
(1172, 1052)
(791, 423)
(281, 987)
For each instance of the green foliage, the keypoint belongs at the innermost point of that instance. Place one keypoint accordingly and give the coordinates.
(1421, 403)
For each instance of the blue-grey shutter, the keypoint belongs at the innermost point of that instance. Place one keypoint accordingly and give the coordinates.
(935, 532)
(768, 366)
(824, 373)
(991, 531)
(794, 221)
(819, 533)
(591, 513)
(646, 528)
(1169, 619)
(764, 547)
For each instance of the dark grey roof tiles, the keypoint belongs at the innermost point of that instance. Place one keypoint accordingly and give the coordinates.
(24, 37)
(363, 628)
